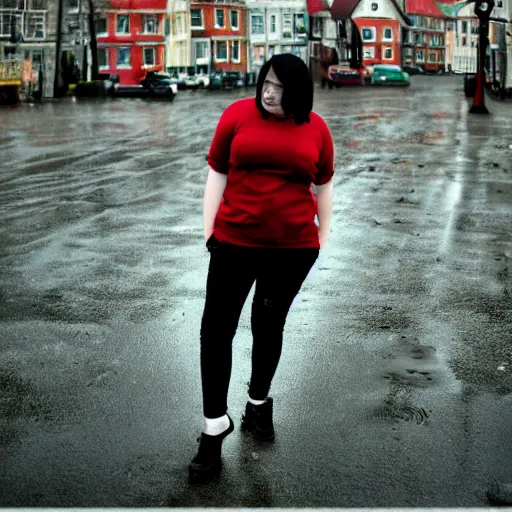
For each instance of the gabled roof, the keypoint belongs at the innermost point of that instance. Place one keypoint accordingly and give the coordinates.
(440, 9)
(343, 9)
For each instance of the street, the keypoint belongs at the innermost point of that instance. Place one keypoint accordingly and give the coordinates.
(394, 387)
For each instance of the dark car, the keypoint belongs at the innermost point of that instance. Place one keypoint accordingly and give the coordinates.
(153, 85)
(413, 70)
(338, 75)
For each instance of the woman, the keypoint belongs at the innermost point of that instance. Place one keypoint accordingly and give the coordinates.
(259, 221)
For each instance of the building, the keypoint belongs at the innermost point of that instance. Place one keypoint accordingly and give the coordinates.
(76, 59)
(424, 44)
(179, 40)
(131, 40)
(279, 26)
(462, 41)
(382, 25)
(219, 36)
(500, 50)
(28, 30)
(334, 37)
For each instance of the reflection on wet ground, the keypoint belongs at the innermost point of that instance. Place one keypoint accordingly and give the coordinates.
(395, 382)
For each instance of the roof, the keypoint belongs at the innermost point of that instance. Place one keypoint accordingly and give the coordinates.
(343, 9)
(442, 9)
(315, 6)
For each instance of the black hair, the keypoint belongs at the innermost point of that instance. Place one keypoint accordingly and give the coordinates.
(293, 73)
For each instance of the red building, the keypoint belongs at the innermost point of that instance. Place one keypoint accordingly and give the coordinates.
(131, 39)
(426, 44)
(219, 34)
(381, 24)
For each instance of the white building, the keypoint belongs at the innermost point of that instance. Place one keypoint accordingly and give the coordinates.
(279, 26)
(500, 35)
(178, 44)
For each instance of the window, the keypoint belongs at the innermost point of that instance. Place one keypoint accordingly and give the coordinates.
(201, 50)
(219, 18)
(316, 26)
(387, 34)
(150, 25)
(287, 25)
(433, 57)
(5, 23)
(257, 24)
(103, 58)
(221, 51)
(272, 51)
(101, 26)
(368, 34)
(149, 57)
(420, 56)
(196, 18)
(35, 25)
(464, 27)
(375, 6)
(38, 5)
(464, 41)
(123, 25)
(123, 57)
(388, 53)
(368, 52)
(300, 24)
(235, 51)
(419, 39)
(233, 17)
(273, 18)
(73, 5)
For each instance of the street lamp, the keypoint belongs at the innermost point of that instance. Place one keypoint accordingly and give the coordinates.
(483, 9)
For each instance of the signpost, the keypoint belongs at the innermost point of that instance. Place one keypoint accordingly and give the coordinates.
(483, 9)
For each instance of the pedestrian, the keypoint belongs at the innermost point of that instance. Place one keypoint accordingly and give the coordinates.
(259, 222)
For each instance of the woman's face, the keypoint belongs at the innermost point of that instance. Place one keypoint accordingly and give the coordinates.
(272, 94)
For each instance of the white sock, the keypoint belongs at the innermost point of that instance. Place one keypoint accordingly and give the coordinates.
(255, 402)
(215, 426)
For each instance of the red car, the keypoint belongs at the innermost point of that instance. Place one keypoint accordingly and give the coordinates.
(339, 75)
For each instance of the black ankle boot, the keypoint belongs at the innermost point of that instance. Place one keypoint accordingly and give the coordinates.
(258, 420)
(207, 463)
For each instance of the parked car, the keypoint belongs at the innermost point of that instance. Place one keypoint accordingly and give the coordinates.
(338, 75)
(413, 70)
(153, 85)
(389, 74)
(226, 79)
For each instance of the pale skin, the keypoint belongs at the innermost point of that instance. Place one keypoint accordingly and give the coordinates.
(272, 93)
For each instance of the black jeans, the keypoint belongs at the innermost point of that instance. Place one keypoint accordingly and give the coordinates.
(279, 274)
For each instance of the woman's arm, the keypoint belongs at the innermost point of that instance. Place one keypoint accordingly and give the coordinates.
(214, 190)
(324, 200)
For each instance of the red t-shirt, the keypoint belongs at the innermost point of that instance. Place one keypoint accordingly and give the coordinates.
(271, 164)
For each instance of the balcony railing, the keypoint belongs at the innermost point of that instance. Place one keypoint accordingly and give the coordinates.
(31, 23)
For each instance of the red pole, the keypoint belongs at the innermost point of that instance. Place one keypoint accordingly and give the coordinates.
(483, 11)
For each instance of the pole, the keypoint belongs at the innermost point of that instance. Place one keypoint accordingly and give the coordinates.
(56, 82)
(483, 9)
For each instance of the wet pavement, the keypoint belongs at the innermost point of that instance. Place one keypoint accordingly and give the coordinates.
(394, 388)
